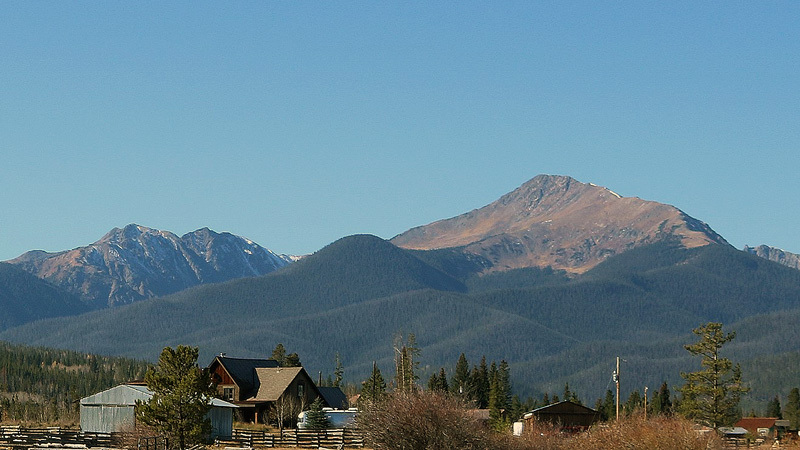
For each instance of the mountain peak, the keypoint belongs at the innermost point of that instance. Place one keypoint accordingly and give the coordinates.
(136, 262)
(557, 221)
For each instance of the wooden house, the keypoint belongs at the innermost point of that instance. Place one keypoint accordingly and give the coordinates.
(261, 389)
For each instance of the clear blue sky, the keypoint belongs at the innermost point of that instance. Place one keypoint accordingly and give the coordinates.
(297, 123)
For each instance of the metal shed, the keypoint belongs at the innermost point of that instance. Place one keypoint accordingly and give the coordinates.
(112, 410)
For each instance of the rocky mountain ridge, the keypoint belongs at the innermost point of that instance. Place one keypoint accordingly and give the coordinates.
(135, 262)
(775, 254)
(559, 222)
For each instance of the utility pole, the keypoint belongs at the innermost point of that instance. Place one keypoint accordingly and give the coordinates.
(645, 403)
(616, 381)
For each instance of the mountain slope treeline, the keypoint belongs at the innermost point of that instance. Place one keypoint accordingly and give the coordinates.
(355, 295)
(44, 385)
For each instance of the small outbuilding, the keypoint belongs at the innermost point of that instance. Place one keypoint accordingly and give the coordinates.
(113, 410)
(567, 415)
(764, 427)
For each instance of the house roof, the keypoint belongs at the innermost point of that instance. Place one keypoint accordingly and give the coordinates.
(273, 381)
(564, 406)
(242, 370)
(733, 431)
(333, 396)
(126, 395)
(754, 423)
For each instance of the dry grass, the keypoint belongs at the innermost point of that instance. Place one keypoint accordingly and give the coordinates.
(635, 433)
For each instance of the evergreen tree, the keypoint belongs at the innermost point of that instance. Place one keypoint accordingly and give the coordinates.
(609, 409)
(479, 384)
(711, 395)
(499, 395)
(292, 360)
(517, 409)
(279, 354)
(181, 397)
(338, 371)
(316, 419)
(443, 387)
(792, 408)
(373, 389)
(461, 378)
(503, 385)
(433, 382)
(569, 395)
(774, 408)
(545, 399)
(633, 403)
(662, 404)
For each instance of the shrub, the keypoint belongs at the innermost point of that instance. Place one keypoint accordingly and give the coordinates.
(422, 421)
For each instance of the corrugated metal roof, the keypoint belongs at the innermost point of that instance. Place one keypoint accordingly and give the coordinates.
(122, 395)
(126, 395)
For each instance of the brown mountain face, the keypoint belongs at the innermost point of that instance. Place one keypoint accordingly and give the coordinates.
(559, 222)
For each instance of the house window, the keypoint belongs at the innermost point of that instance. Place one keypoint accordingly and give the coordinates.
(300, 389)
(227, 394)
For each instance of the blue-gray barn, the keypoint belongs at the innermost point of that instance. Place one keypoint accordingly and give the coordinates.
(112, 410)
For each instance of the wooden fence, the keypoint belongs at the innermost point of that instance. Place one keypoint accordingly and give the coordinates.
(18, 437)
(22, 437)
(330, 438)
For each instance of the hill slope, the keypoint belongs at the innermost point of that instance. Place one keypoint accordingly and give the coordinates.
(136, 262)
(559, 222)
(25, 298)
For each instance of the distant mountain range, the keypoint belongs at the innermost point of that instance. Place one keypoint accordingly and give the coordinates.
(775, 254)
(557, 277)
(135, 262)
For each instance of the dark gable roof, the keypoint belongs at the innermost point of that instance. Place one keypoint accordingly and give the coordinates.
(564, 406)
(333, 396)
(243, 370)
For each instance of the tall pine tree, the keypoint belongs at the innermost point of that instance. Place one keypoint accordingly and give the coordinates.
(373, 389)
(460, 383)
(711, 395)
(181, 397)
(792, 408)
(774, 408)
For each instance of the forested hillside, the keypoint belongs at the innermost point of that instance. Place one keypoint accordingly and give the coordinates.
(25, 298)
(44, 385)
(356, 295)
